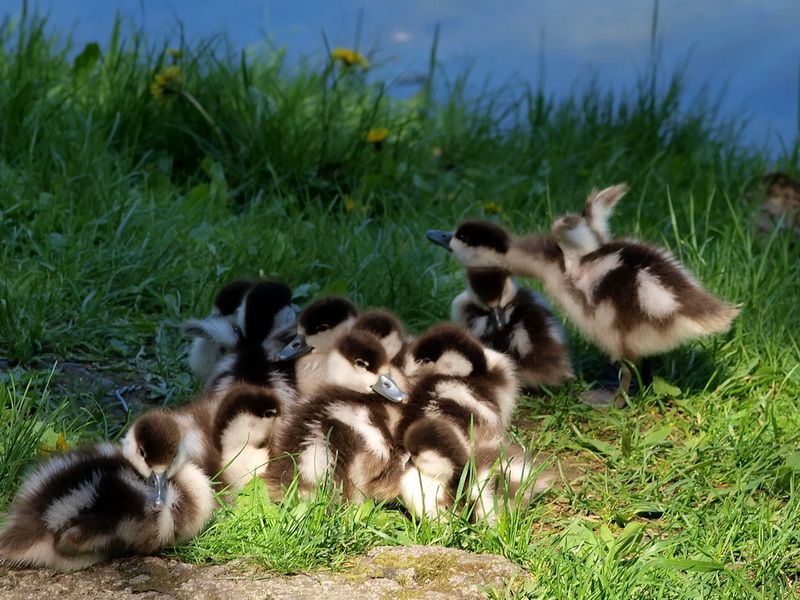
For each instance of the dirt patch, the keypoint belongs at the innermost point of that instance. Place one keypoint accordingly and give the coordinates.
(394, 573)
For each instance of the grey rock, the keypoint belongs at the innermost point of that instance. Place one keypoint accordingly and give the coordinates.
(429, 572)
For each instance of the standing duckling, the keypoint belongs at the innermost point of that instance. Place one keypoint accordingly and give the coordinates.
(319, 325)
(630, 298)
(342, 433)
(92, 504)
(515, 321)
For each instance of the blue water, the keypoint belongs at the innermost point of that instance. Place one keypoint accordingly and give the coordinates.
(747, 49)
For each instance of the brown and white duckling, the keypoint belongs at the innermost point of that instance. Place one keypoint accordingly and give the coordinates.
(319, 325)
(342, 434)
(218, 334)
(462, 398)
(249, 392)
(244, 426)
(630, 298)
(515, 321)
(92, 504)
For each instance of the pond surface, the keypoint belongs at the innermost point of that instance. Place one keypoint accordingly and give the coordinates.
(748, 50)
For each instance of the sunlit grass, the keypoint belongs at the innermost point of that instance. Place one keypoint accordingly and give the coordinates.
(121, 216)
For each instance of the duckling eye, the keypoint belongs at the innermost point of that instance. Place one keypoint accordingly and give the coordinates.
(463, 239)
(223, 351)
(140, 450)
(322, 328)
(360, 362)
(425, 361)
(237, 330)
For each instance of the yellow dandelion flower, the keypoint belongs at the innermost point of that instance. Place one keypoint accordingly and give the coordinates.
(492, 208)
(167, 83)
(61, 446)
(175, 53)
(377, 135)
(349, 205)
(350, 57)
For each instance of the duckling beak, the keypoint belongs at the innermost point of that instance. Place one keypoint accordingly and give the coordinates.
(442, 238)
(386, 387)
(294, 349)
(158, 496)
(499, 318)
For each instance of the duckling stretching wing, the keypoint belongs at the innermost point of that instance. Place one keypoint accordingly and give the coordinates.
(629, 297)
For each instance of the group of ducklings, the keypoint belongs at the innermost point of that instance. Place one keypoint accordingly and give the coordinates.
(341, 399)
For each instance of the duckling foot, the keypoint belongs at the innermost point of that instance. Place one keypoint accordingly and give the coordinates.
(598, 398)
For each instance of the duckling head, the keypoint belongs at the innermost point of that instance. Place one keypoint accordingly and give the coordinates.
(319, 325)
(475, 243)
(216, 335)
(436, 449)
(575, 236)
(154, 446)
(386, 327)
(359, 362)
(268, 317)
(447, 349)
(492, 288)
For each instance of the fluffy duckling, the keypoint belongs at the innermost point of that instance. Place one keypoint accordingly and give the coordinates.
(463, 396)
(268, 322)
(208, 348)
(92, 504)
(342, 434)
(517, 322)
(243, 430)
(319, 325)
(630, 298)
(233, 424)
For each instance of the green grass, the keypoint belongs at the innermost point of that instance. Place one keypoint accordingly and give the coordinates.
(121, 216)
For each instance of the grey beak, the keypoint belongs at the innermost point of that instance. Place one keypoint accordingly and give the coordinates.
(442, 238)
(499, 318)
(158, 496)
(294, 349)
(386, 387)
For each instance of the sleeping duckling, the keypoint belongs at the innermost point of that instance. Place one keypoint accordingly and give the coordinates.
(517, 322)
(208, 349)
(630, 298)
(319, 325)
(92, 504)
(462, 398)
(342, 434)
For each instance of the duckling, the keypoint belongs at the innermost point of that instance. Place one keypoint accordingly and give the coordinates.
(268, 322)
(92, 504)
(243, 430)
(207, 350)
(342, 433)
(515, 321)
(463, 396)
(320, 324)
(630, 298)
(233, 424)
